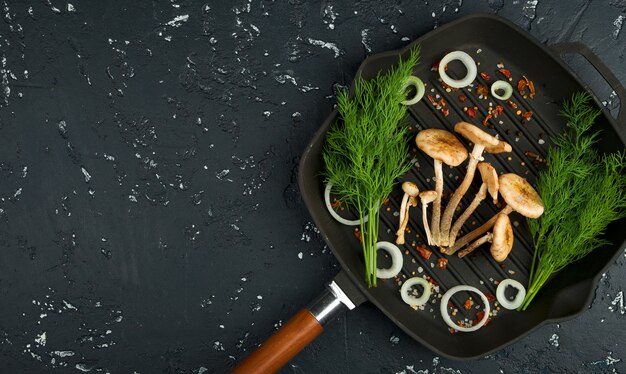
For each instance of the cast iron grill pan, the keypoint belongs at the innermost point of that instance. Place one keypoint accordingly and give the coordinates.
(569, 293)
(490, 40)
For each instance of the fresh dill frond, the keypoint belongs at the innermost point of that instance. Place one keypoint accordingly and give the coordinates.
(366, 149)
(582, 192)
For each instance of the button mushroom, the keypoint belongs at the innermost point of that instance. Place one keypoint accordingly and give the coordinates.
(519, 196)
(443, 147)
(427, 197)
(482, 142)
(501, 240)
(490, 184)
(408, 200)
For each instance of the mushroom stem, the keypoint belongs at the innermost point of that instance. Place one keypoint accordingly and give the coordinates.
(400, 233)
(480, 196)
(476, 233)
(446, 219)
(470, 248)
(434, 219)
(429, 237)
(405, 200)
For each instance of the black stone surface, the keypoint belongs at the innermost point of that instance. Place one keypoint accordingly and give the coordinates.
(150, 219)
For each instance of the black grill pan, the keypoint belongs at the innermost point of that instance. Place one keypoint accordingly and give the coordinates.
(490, 40)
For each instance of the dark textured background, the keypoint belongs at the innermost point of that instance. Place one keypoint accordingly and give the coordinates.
(150, 219)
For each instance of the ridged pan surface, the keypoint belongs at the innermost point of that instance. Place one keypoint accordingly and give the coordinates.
(492, 43)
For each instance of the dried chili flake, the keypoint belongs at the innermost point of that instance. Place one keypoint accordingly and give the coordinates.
(442, 102)
(490, 297)
(445, 112)
(442, 263)
(505, 72)
(386, 201)
(521, 86)
(434, 66)
(531, 88)
(527, 116)
(462, 98)
(511, 104)
(487, 118)
(471, 111)
(536, 159)
(482, 90)
(469, 303)
(357, 234)
(480, 315)
(425, 253)
(485, 76)
(431, 99)
(335, 203)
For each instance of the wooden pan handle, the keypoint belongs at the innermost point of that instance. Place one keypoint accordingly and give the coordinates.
(281, 347)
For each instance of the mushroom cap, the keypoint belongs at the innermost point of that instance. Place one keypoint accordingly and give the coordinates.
(502, 240)
(475, 134)
(490, 177)
(410, 189)
(501, 147)
(520, 195)
(428, 197)
(441, 145)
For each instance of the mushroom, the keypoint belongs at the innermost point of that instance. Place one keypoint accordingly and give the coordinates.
(427, 197)
(482, 142)
(490, 184)
(501, 240)
(408, 200)
(519, 196)
(443, 147)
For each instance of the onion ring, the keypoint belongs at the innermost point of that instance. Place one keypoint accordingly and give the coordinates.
(410, 299)
(444, 308)
(336, 216)
(519, 298)
(466, 60)
(396, 260)
(501, 85)
(420, 90)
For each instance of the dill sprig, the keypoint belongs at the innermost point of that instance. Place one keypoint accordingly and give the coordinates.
(582, 192)
(366, 149)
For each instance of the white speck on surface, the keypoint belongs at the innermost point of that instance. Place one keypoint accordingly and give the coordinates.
(618, 23)
(178, 20)
(394, 339)
(529, 10)
(86, 174)
(300, 255)
(83, 367)
(18, 192)
(365, 40)
(68, 305)
(617, 304)
(64, 353)
(222, 174)
(41, 339)
(320, 43)
(218, 346)
(554, 340)
(541, 141)
(329, 16)
(70, 8)
(259, 297)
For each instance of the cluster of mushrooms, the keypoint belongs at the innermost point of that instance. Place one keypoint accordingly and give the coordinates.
(445, 148)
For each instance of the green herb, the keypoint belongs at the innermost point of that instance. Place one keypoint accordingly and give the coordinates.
(582, 191)
(366, 149)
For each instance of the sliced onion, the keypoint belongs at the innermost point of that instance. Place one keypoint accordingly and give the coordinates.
(444, 308)
(420, 90)
(396, 260)
(410, 299)
(501, 85)
(354, 222)
(519, 298)
(466, 60)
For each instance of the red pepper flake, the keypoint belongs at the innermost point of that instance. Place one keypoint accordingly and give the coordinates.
(506, 73)
(487, 118)
(511, 104)
(485, 76)
(527, 116)
(442, 263)
(450, 305)
(386, 201)
(357, 233)
(462, 98)
(460, 323)
(425, 253)
(468, 304)
(479, 317)
(431, 99)
(482, 90)
(531, 87)
(471, 111)
(537, 160)
(432, 281)
(445, 112)
(442, 102)
(490, 297)
(434, 66)
(335, 203)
